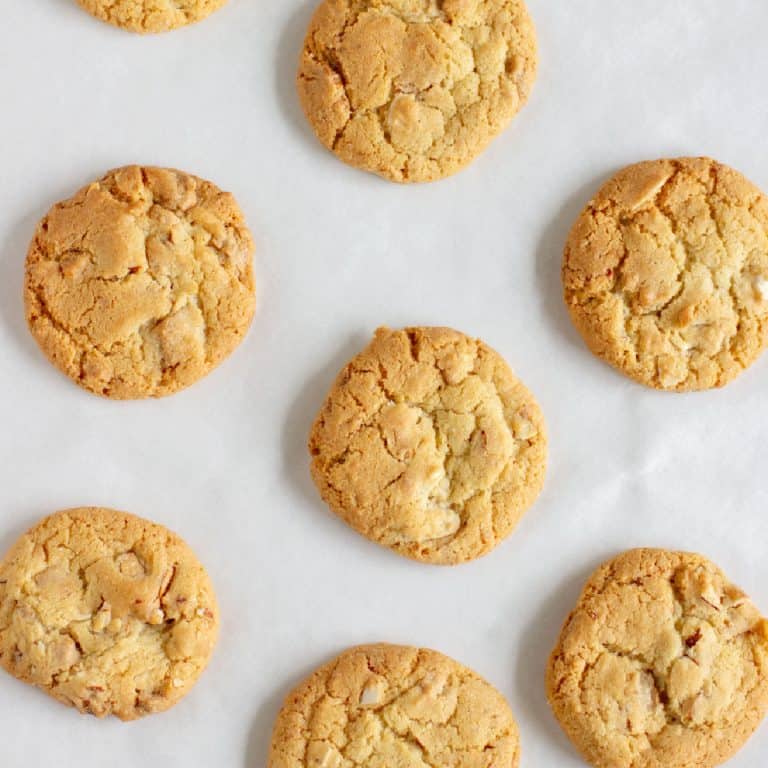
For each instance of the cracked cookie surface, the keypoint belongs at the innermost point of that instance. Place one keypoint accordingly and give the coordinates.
(106, 612)
(141, 283)
(151, 15)
(662, 664)
(666, 273)
(429, 445)
(414, 90)
(384, 705)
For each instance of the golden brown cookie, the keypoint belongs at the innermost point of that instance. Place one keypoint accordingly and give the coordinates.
(151, 15)
(387, 706)
(666, 273)
(414, 90)
(141, 283)
(429, 445)
(662, 664)
(106, 612)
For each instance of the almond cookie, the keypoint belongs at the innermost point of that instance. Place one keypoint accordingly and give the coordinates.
(429, 445)
(151, 15)
(666, 273)
(141, 283)
(389, 705)
(106, 612)
(414, 90)
(663, 663)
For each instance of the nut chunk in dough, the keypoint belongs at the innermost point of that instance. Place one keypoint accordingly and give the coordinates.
(106, 612)
(429, 445)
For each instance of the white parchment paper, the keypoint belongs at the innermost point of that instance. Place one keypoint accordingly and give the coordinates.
(340, 252)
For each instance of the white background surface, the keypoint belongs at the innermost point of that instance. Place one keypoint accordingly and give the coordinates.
(340, 252)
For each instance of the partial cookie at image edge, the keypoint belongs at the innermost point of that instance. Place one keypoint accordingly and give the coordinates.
(144, 17)
(663, 661)
(393, 703)
(415, 98)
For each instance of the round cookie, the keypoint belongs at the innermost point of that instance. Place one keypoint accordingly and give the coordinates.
(429, 445)
(141, 283)
(414, 90)
(663, 662)
(151, 15)
(666, 273)
(106, 612)
(388, 705)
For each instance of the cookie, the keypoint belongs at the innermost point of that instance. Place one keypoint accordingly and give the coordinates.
(106, 612)
(388, 705)
(414, 91)
(429, 445)
(141, 283)
(663, 662)
(151, 15)
(666, 273)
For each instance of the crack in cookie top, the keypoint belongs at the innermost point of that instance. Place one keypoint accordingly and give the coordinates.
(663, 662)
(386, 705)
(415, 89)
(429, 445)
(666, 273)
(141, 283)
(106, 612)
(151, 15)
